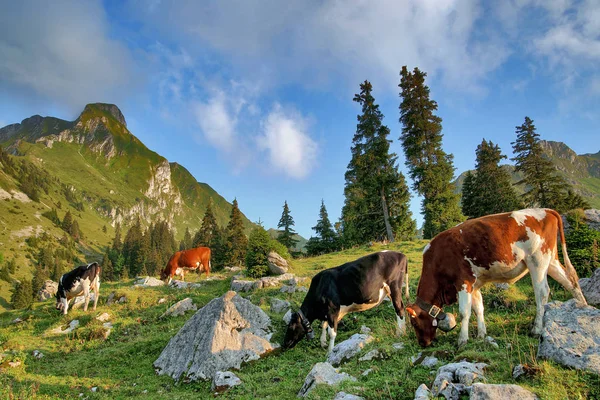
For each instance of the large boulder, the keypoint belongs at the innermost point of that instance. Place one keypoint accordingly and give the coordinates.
(323, 373)
(591, 288)
(482, 391)
(277, 264)
(279, 306)
(570, 335)
(47, 291)
(348, 348)
(223, 334)
(453, 379)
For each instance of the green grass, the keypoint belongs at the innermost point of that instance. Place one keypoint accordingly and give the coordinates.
(121, 367)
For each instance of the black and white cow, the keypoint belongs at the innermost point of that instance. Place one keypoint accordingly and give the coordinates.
(78, 281)
(355, 286)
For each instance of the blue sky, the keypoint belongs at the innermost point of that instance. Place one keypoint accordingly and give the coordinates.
(255, 97)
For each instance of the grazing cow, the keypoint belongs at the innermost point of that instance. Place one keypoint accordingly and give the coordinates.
(183, 260)
(494, 248)
(78, 281)
(355, 286)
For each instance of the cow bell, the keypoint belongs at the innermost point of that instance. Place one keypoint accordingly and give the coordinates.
(447, 323)
(310, 335)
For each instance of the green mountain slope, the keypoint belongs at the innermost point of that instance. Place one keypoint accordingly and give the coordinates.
(582, 171)
(95, 168)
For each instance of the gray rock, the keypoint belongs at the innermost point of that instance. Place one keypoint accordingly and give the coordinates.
(233, 269)
(122, 299)
(492, 342)
(224, 380)
(323, 373)
(481, 391)
(364, 329)
(47, 291)
(287, 317)
(79, 301)
(72, 326)
(94, 389)
(591, 288)
(367, 372)
(239, 285)
(518, 371)
(107, 329)
(371, 355)
(278, 305)
(570, 335)
(176, 284)
(37, 354)
(430, 362)
(225, 333)
(162, 300)
(398, 346)
(180, 308)
(347, 396)
(452, 379)
(502, 286)
(423, 393)
(277, 264)
(16, 321)
(348, 348)
(103, 317)
(110, 299)
(288, 289)
(302, 289)
(148, 281)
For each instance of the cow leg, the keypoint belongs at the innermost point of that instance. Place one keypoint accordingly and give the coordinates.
(97, 292)
(464, 305)
(332, 331)
(538, 268)
(558, 273)
(86, 293)
(477, 305)
(406, 290)
(324, 335)
(396, 297)
(65, 305)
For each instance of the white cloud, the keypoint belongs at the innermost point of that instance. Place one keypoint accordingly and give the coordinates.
(62, 50)
(218, 121)
(286, 140)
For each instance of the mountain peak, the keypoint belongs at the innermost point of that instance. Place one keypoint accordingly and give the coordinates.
(113, 110)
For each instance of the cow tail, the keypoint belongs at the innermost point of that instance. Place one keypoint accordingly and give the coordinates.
(570, 269)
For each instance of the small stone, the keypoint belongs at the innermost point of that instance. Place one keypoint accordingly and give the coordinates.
(94, 389)
(518, 371)
(287, 317)
(14, 364)
(367, 372)
(302, 289)
(365, 329)
(348, 348)
(323, 373)
(492, 342)
(145, 391)
(161, 301)
(413, 359)
(180, 308)
(16, 321)
(122, 299)
(103, 317)
(398, 346)
(423, 393)
(148, 281)
(481, 391)
(429, 362)
(502, 286)
(38, 354)
(371, 355)
(279, 306)
(347, 396)
(224, 380)
(288, 289)
(110, 299)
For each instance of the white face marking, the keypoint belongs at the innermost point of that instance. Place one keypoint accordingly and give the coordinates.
(426, 248)
(178, 271)
(520, 216)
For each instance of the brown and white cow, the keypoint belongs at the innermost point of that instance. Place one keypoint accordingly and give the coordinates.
(494, 248)
(192, 259)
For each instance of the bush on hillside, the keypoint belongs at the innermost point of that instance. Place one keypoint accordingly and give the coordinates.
(280, 249)
(21, 295)
(259, 246)
(583, 245)
(5, 275)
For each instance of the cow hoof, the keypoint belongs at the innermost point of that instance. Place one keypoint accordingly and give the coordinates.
(400, 332)
(324, 345)
(535, 334)
(462, 343)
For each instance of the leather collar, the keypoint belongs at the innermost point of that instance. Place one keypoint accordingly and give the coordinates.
(305, 324)
(434, 311)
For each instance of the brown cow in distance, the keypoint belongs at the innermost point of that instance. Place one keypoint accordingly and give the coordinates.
(191, 259)
(495, 248)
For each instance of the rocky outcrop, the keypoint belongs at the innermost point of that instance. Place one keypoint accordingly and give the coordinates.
(570, 335)
(348, 348)
(148, 281)
(423, 393)
(279, 306)
(225, 333)
(591, 288)
(347, 396)
(47, 291)
(323, 373)
(481, 391)
(60, 331)
(242, 285)
(277, 264)
(453, 380)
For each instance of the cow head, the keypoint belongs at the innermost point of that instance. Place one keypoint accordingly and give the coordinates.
(426, 325)
(61, 301)
(297, 329)
(166, 276)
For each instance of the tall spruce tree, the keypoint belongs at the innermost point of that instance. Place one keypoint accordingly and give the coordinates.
(117, 245)
(187, 241)
(207, 234)
(236, 242)
(21, 295)
(67, 222)
(376, 195)
(431, 169)
(490, 190)
(543, 184)
(468, 193)
(132, 249)
(108, 272)
(326, 239)
(286, 235)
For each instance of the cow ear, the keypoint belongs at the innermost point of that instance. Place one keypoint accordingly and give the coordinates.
(412, 312)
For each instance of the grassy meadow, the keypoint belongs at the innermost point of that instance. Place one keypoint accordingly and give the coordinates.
(121, 366)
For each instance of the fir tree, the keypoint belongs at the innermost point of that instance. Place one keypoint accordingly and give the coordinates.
(326, 239)
(108, 271)
(132, 249)
(468, 195)
(376, 196)
(544, 186)
(21, 295)
(57, 271)
(74, 231)
(286, 235)
(5, 274)
(40, 275)
(67, 222)
(431, 169)
(206, 235)
(186, 242)
(491, 191)
(116, 244)
(236, 241)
